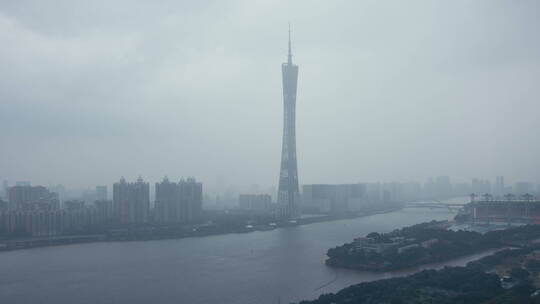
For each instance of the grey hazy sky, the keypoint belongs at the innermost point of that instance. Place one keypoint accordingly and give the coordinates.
(388, 90)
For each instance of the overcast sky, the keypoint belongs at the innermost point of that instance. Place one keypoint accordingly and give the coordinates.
(388, 90)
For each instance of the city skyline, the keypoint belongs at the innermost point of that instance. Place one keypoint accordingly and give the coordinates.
(441, 185)
(167, 151)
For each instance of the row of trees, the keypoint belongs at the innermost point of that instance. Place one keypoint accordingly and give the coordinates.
(450, 285)
(475, 283)
(449, 244)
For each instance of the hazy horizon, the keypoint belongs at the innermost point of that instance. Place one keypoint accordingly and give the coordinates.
(92, 91)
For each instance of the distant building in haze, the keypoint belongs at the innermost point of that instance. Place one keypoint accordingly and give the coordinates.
(178, 202)
(443, 187)
(461, 189)
(60, 190)
(499, 186)
(28, 198)
(74, 205)
(257, 203)
(521, 188)
(411, 191)
(104, 209)
(325, 198)
(5, 186)
(3, 206)
(101, 193)
(480, 186)
(131, 201)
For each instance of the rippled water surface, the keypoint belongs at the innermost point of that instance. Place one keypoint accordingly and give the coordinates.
(260, 267)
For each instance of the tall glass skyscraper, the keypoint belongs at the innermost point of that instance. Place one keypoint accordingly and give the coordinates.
(288, 193)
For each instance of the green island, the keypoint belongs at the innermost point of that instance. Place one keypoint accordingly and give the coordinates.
(508, 276)
(423, 244)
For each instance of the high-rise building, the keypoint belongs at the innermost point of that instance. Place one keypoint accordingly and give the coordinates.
(101, 193)
(5, 186)
(32, 198)
(392, 192)
(131, 201)
(3, 206)
(104, 209)
(374, 192)
(499, 186)
(288, 191)
(178, 202)
(59, 189)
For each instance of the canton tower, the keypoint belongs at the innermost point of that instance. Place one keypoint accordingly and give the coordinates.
(288, 193)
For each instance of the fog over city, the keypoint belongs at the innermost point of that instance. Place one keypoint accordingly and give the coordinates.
(387, 90)
(263, 152)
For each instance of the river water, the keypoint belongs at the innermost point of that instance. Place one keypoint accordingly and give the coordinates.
(285, 265)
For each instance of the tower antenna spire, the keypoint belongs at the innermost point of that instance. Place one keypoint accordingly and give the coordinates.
(289, 58)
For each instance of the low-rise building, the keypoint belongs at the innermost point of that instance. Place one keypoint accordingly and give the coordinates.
(429, 243)
(407, 248)
(368, 244)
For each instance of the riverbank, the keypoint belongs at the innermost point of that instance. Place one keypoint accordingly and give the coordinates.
(167, 233)
(506, 276)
